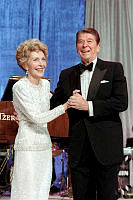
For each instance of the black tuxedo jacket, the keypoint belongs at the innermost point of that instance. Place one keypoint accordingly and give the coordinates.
(108, 93)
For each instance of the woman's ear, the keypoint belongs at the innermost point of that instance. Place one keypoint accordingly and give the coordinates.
(25, 66)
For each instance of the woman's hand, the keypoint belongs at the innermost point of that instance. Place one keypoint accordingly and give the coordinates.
(75, 92)
(66, 105)
(16, 117)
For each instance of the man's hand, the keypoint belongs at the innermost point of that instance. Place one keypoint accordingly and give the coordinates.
(16, 117)
(78, 102)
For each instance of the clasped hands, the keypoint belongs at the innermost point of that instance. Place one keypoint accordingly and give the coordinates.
(77, 101)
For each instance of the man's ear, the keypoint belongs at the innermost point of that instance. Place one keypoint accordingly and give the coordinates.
(98, 47)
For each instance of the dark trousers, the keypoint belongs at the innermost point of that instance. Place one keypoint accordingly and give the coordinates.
(91, 180)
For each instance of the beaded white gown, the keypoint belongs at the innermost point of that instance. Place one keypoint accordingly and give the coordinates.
(33, 154)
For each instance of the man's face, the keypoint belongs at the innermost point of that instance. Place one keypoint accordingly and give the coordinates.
(87, 47)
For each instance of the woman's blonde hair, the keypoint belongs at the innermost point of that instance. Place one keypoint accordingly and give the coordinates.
(25, 48)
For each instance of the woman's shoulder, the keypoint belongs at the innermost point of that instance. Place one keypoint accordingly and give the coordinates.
(45, 82)
(20, 83)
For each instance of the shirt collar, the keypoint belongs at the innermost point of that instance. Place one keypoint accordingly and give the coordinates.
(94, 63)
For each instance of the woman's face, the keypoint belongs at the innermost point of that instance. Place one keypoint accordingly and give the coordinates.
(36, 65)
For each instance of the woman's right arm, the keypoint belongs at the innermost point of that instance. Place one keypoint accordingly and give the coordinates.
(23, 102)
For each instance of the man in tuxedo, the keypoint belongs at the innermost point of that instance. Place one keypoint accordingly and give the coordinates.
(96, 97)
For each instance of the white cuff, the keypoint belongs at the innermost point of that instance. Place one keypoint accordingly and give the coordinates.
(90, 108)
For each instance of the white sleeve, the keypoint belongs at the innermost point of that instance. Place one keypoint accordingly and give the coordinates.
(23, 103)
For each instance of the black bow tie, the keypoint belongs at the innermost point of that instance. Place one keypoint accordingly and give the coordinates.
(87, 67)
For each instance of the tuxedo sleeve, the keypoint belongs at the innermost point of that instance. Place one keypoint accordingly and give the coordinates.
(58, 95)
(117, 99)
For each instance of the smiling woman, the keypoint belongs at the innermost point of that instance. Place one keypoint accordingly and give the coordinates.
(31, 100)
(31, 56)
(35, 66)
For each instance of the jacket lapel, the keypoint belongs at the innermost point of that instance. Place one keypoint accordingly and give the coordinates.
(98, 74)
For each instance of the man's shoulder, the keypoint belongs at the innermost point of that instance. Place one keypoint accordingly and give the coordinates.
(70, 69)
(108, 62)
(109, 65)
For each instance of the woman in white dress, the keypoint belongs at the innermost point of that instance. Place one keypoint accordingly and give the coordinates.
(31, 98)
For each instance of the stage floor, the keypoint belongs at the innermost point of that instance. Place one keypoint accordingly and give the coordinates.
(51, 198)
(55, 197)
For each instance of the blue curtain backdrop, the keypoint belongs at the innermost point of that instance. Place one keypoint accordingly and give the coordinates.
(54, 22)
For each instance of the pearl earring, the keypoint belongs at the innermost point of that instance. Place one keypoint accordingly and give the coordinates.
(26, 72)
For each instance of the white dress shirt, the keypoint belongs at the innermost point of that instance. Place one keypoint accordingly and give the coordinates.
(85, 79)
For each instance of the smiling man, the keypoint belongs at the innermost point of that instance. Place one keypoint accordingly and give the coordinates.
(97, 92)
(88, 46)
